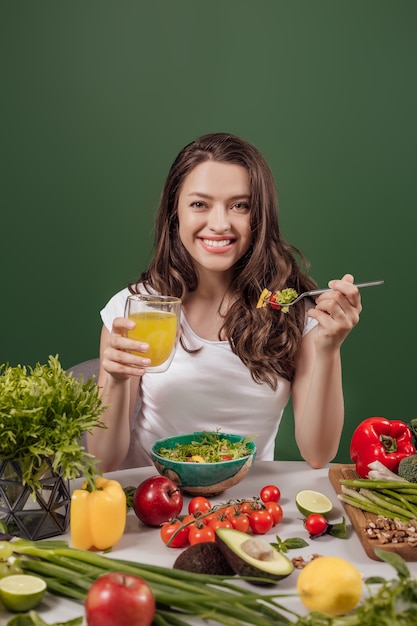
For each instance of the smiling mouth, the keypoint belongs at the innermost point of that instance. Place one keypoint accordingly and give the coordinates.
(216, 243)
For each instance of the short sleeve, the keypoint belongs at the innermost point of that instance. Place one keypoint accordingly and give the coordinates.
(115, 307)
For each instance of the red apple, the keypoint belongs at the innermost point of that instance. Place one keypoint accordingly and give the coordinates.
(117, 599)
(157, 500)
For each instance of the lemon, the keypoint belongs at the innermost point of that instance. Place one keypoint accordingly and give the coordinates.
(21, 592)
(331, 585)
(309, 501)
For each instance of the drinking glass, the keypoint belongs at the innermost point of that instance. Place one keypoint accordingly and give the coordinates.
(157, 321)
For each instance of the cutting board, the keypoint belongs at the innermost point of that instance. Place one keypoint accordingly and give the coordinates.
(360, 519)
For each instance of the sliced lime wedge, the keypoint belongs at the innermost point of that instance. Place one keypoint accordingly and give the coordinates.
(309, 501)
(21, 592)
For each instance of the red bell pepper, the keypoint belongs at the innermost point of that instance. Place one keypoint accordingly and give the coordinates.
(380, 439)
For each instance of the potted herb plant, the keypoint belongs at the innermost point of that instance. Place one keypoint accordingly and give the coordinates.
(44, 412)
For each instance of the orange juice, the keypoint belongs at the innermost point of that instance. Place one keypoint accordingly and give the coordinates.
(159, 330)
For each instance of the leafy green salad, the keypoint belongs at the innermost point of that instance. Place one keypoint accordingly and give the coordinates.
(207, 448)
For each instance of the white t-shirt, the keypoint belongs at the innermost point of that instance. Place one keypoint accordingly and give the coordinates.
(204, 391)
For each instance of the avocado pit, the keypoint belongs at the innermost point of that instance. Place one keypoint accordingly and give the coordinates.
(253, 557)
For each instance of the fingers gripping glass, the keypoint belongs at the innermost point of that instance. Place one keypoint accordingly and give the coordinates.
(157, 320)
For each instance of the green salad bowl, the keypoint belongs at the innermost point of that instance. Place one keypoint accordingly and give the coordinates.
(202, 479)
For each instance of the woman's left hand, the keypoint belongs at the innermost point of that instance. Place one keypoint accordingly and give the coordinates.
(337, 313)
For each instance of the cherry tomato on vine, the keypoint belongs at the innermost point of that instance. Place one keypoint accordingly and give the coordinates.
(240, 522)
(229, 511)
(208, 517)
(201, 534)
(180, 539)
(315, 524)
(276, 511)
(189, 519)
(219, 522)
(248, 506)
(199, 505)
(270, 493)
(260, 521)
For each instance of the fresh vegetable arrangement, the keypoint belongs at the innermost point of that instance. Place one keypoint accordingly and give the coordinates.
(277, 300)
(43, 414)
(380, 439)
(386, 464)
(208, 448)
(181, 597)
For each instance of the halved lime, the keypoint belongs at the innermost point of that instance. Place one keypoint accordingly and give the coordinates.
(21, 592)
(309, 501)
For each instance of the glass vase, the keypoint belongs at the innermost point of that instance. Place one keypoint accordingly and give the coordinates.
(38, 515)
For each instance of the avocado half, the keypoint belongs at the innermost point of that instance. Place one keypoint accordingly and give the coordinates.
(237, 548)
(204, 558)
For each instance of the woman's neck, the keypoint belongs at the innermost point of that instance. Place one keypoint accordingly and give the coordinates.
(206, 307)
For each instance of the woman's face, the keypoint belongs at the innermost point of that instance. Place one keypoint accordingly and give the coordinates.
(214, 215)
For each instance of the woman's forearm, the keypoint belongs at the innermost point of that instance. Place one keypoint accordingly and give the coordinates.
(319, 421)
(110, 444)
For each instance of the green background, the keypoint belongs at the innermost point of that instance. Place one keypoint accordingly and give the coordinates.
(97, 99)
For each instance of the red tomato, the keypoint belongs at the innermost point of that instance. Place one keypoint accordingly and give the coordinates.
(229, 511)
(240, 522)
(270, 493)
(272, 302)
(219, 522)
(201, 534)
(248, 506)
(261, 521)
(180, 539)
(189, 518)
(315, 524)
(199, 505)
(276, 511)
(208, 517)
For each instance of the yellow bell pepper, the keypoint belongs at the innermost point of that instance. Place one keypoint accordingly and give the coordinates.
(264, 296)
(98, 518)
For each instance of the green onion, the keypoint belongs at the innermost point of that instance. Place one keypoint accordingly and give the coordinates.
(180, 597)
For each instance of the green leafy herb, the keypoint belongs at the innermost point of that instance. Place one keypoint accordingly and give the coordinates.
(395, 560)
(337, 530)
(44, 412)
(208, 448)
(292, 543)
(34, 619)
(129, 493)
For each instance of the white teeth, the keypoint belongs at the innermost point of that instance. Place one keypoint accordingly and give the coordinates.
(217, 244)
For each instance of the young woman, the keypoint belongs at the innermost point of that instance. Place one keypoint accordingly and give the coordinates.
(217, 246)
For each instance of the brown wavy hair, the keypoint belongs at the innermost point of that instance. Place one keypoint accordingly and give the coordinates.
(265, 340)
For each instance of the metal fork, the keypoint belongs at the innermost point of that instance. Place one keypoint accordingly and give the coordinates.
(317, 292)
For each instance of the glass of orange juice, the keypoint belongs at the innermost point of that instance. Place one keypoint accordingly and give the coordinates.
(157, 321)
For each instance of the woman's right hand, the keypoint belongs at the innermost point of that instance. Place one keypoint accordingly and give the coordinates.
(116, 350)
